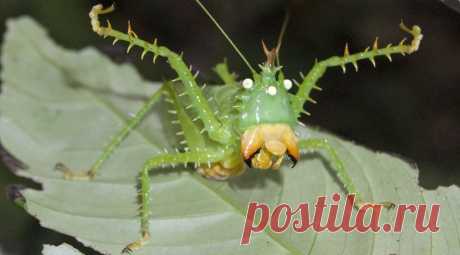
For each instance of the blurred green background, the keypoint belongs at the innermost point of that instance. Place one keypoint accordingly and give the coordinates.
(410, 108)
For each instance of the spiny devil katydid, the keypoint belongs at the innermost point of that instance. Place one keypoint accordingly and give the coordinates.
(252, 123)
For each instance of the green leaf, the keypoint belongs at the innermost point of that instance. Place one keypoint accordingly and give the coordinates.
(59, 105)
(63, 249)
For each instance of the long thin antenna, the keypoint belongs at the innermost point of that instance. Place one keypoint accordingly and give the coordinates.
(225, 35)
(281, 36)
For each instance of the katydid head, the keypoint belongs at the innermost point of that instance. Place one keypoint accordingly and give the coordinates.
(265, 98)
(266, 119)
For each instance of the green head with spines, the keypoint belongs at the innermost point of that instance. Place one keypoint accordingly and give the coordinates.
(266, 99)
(266, 118)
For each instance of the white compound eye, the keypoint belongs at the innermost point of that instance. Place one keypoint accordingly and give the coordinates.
(271, 90)
(247, 83)
(287, 84)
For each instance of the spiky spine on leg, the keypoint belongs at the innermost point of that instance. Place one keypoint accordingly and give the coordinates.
(114, 142)
(217, 132)
(318, 70)
(344, 177)
(201, 156)
(189, 130)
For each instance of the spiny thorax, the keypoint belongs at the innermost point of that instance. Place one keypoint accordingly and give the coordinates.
(266, 102)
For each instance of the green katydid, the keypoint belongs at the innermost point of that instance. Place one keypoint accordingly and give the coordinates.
(253, 123)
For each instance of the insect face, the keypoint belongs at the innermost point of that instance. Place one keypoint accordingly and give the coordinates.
(265, 100)
(266, 117)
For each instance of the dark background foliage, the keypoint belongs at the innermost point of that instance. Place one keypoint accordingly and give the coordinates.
(408, 108)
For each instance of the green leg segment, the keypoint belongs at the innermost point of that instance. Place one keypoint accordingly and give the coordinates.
(344, 177)
(215, 129)
(201, 156)
(114, 143)
(192, 135)
(224, 73)
(318, 70)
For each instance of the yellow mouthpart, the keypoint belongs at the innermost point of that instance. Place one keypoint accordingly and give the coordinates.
(264, 146)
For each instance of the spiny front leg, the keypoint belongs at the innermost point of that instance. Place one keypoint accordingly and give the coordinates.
(113, 144)
(344, 177)
(318, 70)
(189, 131)
(197, 157)
(215, 129)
